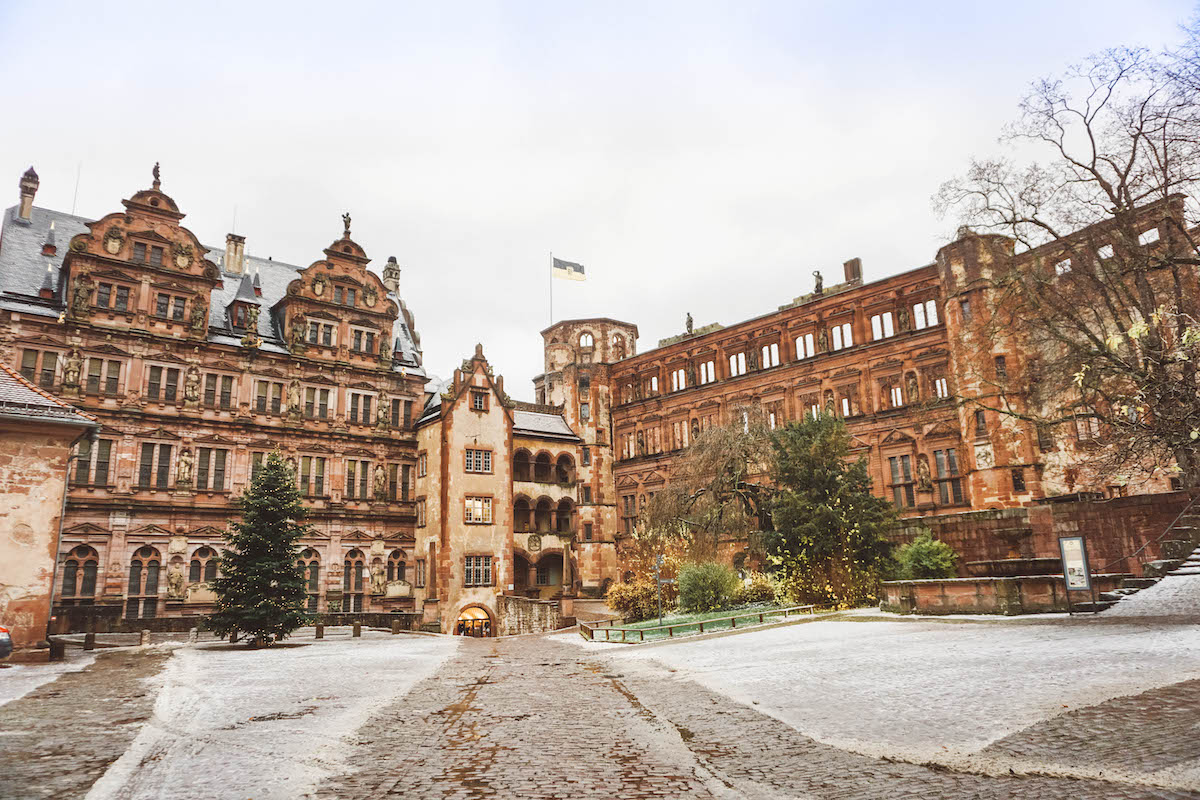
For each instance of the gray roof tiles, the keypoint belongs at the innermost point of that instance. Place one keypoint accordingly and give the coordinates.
(20, 398)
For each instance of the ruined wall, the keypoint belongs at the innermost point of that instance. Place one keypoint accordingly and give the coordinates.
(33, 464)
(1113, 529)
(522, 615)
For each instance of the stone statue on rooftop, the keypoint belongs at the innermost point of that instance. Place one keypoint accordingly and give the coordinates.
(346, 223)
(818, 282)
(689, 322)
(157, 176)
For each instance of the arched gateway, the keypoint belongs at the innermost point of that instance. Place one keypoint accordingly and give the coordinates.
(474, 621)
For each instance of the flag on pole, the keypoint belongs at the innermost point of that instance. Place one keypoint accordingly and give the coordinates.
(567, 270)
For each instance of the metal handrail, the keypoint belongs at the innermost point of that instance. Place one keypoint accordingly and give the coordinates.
(1171, 527)
(589, 631)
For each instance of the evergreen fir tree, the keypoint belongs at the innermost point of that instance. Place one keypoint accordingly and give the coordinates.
(261, 591)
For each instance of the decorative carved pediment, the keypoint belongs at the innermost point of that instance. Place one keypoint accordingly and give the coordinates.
(897, 436)
(943, 430)
(168, 357)
(206, 532)
(316, 448)
(224, 365)
(107, 349)
(936, 352)
(215, 439)
(113, 274)
(363, 322)
(321, 379)
(889, 363)
(41, 339)
(158, 433)
(654, 478)
(149, 531)
(321, 315)
(360, 452)
(357, 536)
(807, 380)
(150, 235)
(857, 443)
(847, 372)
(272, 373)
(627, 482)
(85, 529)
(362, 385)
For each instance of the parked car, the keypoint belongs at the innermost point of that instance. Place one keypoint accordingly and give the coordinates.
(5, 642)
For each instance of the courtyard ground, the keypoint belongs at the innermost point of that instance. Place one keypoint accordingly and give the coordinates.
(853, 708)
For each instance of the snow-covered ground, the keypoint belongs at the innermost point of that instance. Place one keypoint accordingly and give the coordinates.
(18, 680)
(269, 723)
(1174, 595)
(919, 690)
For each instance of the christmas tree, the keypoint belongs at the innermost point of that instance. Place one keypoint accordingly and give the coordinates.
(260, 592)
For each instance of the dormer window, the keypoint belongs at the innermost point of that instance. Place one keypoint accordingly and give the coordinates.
(344, 297)
(239, 316)
(140, 250)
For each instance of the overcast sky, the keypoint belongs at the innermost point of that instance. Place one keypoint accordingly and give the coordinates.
(701, 157)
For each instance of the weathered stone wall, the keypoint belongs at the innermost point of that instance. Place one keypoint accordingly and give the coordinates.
(1009, 596)
(1113, 529)
(33, 464)
(524, 615)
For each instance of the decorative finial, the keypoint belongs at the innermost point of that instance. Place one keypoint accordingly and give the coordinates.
(346, 223)
(157, 176)
(479, 351)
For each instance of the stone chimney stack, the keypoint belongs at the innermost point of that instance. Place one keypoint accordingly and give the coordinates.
(853, 269)
(235, 254)
(391, 276)
(29, 186)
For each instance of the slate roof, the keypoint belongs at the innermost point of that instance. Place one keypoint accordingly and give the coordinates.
(20, 398)
(23, 270)
(532, 423)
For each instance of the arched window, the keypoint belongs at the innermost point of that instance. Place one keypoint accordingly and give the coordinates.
(521, 515)
(311, 563)
(541, 516)
(79, 576)
(396, 566)
(563, 517)
(586, 340)
(564, 469)
(141, 598)
(618, 347)
(541, 468)
(203, 566)
(522, 466)
(353, 577)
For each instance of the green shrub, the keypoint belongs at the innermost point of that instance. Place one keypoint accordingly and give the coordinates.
(926, 557)
(707, 587)
(637, 600)
(757, 588)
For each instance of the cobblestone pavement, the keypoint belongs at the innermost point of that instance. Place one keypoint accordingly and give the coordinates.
(58, 739)
(538, 719)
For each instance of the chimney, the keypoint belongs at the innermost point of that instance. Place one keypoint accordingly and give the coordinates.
(49, 248)
(391, 276)
(853, 269)
(29, 186)
(235, 253)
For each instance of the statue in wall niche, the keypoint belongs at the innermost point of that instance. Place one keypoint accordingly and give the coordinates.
(81, 296)
(297, 332)
(175, 582)
(183, 469)
(378, 579)
(72, 367)
(924, 480)
(752, 359)
(695, 429)
(381, 415)
(191, 384)
(902, 318)
(294, 396)
(818, 283)
(199, 317)
(823, 341)
(691, 374)
(689, 322)
(381, 483)
(829, 402)
(641, 443)
(913, 391)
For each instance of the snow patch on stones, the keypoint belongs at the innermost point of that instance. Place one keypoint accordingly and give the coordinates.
(18, 680)
(1173, 596)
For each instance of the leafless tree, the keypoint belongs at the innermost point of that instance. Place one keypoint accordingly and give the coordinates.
(1101, 285)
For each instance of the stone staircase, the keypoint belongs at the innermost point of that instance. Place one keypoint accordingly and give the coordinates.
(1180, 556)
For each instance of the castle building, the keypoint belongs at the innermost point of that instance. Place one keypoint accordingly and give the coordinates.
(483, 514)
(197, 361)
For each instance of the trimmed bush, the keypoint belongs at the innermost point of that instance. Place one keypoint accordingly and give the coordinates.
(707, 587)
(637, 600)
(758, 588)
(926, 557)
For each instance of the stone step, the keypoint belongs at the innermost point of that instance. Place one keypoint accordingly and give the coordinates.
(1099, 605)
(1188, 570)
(1177, 548)
(1138, 583)
(1157, 569)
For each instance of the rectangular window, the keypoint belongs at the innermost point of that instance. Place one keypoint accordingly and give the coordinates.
(897, 396)
(881, 326)
(327, 335)
(314, 332)
(585, 412)
(585, 456)
(1087, 428)
(139, 252)
(653, 384)
(393, 473)
(842, 336)
(354, 398)
(478, 511)
(1001, 369)
(628, 513)
(419, 578)
(162, 474)
(422, 464)
(845, 408)
(980, 424)
(162, 305)
(154, 386)
(177, 308)
(1018, 480)
(29, 362)
(226, 392)
(112, 374)
(587, 531)
(405, 482)
(478, 460)
(421, 513)
(805, 347)
(358, 341)
(210, 390)
(949, 483)
(104, 295)
(121, 302)
(542, 575)
(395, 412)
(479, 401)
(770, 355)
(156, 256)
(941, 388)
(586, 494)
(256, 465)
(351, 478)
(49, 363)
(903, 494)
(925, 314)
(964, 305)
(210, 468)
(708, 372)
(478, 571)
(323, 404)
(737, 365)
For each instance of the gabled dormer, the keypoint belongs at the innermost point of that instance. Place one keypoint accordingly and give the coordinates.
(339, 310)
(241, 314)
(140, 269)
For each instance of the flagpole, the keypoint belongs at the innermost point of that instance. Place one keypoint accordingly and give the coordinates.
(551, 287)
